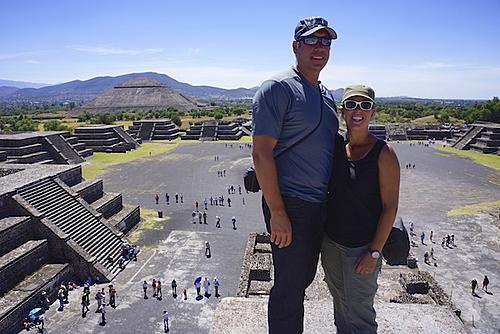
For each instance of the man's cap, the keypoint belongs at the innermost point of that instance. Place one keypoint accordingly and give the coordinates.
(310, 25)
(358, 90)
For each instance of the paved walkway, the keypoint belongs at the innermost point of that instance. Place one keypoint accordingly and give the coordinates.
(174, 248)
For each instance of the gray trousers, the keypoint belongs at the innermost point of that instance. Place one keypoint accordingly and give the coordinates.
(352, 293)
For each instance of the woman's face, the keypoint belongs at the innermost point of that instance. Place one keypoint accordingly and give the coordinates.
(360, 116)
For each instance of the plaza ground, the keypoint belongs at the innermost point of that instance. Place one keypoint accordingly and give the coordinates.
(173, 247)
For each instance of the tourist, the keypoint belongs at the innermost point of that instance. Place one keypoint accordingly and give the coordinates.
(167, 198)
(208, 254)
(196, 205)
(205, 217)
(422, 237)
(200, 217)
(432, 254)
(452, 240)
(233, 220)
(217, 221)
(112, 296)
(165, 321)
(239, 189)
(473, 285)
(279, 122)
(361, 212)
(206, 203)
(184, 292)
(153, 285)
(229, 202)
(176, 198)
(197, 285)
(431, 235)
(159, 293)
(60, 296)
(145, 288)
(486, 281)
(98, 297)
(174, 288)
(85, 305)
(182, 198)
(206, 287)
(216, 287)
(157, 198)
(193, 217)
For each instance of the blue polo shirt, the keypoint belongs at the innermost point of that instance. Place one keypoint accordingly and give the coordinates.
(287, 107)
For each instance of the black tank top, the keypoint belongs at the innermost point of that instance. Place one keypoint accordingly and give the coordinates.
(353, 213)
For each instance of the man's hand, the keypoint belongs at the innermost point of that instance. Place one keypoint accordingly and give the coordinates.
(281, 229)
(365, 264)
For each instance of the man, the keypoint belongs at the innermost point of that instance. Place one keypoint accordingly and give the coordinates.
(294, 112)
(165, 321)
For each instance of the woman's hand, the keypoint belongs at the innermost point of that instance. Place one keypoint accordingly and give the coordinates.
(365, 264)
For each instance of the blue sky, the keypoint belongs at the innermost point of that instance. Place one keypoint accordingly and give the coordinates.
(426, 48)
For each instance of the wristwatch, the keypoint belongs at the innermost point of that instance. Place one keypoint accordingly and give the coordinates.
(374, 253)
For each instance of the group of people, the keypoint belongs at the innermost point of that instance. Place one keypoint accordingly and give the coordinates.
(322, 193)
(178, 198)
(473, 285)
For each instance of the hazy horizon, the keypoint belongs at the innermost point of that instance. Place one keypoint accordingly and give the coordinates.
(426, 49)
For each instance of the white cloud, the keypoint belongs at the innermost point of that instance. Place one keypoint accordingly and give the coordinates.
(15, 55)
(106, 51)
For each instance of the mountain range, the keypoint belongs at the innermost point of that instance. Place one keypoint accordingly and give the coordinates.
(81, 91)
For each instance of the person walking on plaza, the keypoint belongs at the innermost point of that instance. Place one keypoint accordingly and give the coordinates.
(167, 198)
(229, 202)
(205, 217)
(431, 236)
(193, 217)
(294, 114)
(184, 292)
(60, 296)
(157, 198)
(176, 198)
(233, 220)
(422, 237)
(145, 289)
(182, 198)
(217, 221)
(112, 296)
(216, 287)
(165, 322)
(206, 287)
(153, 285)
(174, 288)
(197, 285)
(473, 285)
(208, 254)
(159, 293)
(200, 217)
(85, 305)
(486, 281)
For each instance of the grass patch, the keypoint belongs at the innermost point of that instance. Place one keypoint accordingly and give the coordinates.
(99, 162)
(488, 160)
(149, 221)
(473, 209)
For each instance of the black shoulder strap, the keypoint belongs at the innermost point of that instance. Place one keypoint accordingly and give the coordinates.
(308, 134)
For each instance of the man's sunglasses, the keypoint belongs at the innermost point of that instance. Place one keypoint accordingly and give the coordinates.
(363, 105)
(313, 40)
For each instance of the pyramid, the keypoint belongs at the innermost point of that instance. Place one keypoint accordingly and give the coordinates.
(140, 94)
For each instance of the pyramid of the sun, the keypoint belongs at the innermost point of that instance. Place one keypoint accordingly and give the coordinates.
(141, 94)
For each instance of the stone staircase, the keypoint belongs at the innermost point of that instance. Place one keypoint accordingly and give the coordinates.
(468, 138)
(83, 225)
(67, 152)
(208, 131)
(25, 271)
(146, 130)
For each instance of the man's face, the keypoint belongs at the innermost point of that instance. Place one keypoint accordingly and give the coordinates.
(312, 57)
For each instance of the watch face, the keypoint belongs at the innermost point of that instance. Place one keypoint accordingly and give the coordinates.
(375, 254)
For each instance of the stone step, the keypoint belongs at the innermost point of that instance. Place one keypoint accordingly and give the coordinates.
(20, 261)
(24, 296)
(392, 318)
(14, 231)
(109, 204)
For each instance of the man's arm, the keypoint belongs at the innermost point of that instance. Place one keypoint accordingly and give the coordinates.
(389, 193)
(265, 168)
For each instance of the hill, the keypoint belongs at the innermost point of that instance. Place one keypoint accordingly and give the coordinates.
(82, 91)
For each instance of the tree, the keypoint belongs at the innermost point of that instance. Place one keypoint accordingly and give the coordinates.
(54, 125)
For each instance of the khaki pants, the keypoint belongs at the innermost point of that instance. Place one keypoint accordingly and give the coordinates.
(352, 293)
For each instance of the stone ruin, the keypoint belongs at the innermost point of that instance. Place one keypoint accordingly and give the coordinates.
(54, 227)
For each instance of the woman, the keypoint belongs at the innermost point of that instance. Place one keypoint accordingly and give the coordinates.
(361, 212)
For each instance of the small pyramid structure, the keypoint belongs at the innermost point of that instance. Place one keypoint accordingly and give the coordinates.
(140, 94)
